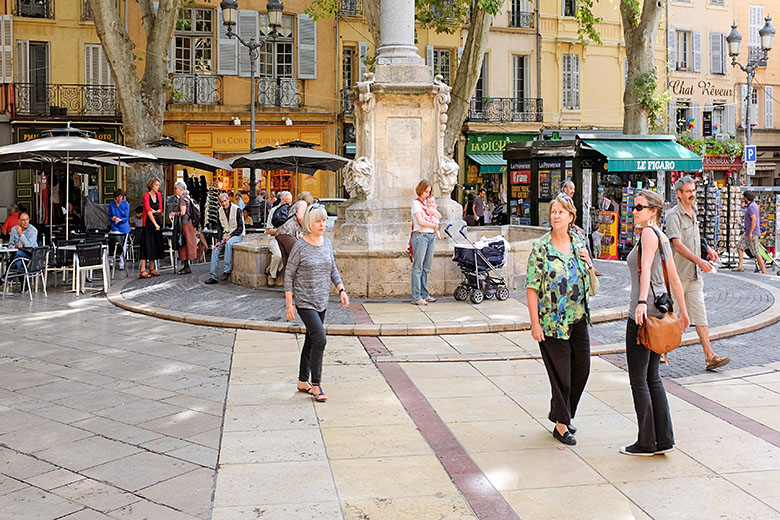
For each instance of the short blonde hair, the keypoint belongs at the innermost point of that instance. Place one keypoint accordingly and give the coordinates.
(305, 195)
(314, 213)
(151, 182)
(566, 203)
(422, 186)
(654, 201)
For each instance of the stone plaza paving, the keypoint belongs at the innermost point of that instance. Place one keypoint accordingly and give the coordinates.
(106, 413)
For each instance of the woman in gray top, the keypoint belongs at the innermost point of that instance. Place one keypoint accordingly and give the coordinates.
(310, 269)
(652, 408)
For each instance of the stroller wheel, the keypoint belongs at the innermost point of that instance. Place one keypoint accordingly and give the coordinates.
(489, 294)
(477, 296)
(461, 293)
(502, 293)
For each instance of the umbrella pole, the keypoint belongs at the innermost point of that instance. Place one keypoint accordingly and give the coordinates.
(67, 194)
(51, 204)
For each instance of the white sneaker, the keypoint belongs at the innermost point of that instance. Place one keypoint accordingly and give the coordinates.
(420, 302)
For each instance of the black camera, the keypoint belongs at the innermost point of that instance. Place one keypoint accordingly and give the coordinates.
(663, 302)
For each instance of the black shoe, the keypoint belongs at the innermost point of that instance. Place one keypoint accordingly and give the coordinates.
(567, 438)
(211, 281)
(661, 449)
(571, 428)
(120, 268)
(225, 276)
(185, 270)
(636, 451)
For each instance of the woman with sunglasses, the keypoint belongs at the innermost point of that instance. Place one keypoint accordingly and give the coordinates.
(557, 286)
(310, 270)
(652, 408)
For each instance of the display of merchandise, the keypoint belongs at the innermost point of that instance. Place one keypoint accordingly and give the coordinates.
(626, 241)
(708, 205)
(731, 219)
(767, 204)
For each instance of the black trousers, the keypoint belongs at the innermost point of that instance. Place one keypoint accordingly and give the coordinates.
(568, 366)
(652, 408)
(313, 345)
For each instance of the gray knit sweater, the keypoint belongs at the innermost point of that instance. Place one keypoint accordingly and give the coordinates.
(308, 274)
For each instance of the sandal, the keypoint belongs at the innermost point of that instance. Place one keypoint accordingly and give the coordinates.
(737, 269)
(320, 397)
(717, 362)
(304, 390)
(144, 274)
(154, 272)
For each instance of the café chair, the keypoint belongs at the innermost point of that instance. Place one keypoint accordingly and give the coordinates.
(28, 269)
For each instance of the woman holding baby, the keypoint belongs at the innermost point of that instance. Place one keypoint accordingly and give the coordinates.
(425, 227)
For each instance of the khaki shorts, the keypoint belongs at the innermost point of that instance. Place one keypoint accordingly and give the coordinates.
(694, 301)
(749, 243)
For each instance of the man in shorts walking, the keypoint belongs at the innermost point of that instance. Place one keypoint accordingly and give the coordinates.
(682, 228)
(749, 239)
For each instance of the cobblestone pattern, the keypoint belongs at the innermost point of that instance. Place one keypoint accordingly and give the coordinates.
(106, 413)
(189, 293)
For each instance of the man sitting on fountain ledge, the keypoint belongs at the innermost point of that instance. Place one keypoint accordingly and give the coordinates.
(231, 229)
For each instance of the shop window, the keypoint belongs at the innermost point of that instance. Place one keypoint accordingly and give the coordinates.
(683, 115)
(683, 49)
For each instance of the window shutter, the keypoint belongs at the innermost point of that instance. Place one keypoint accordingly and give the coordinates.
(670, 45)
(460, 55)
(756, 22)
(362, 57)
(731, 119)
(307, 47)
(755, 113)
(575, 79)
(672, 117)
(743, 98)
(7, 40)
(565, 81)
(22, 61)
(697, 119)
(227, 50)
(696, 52)
(769, 117)
(716, 54)
(247, 29)
(429, 58)
(91, 64)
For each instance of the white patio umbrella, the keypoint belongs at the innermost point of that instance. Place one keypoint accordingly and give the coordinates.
(69, 147)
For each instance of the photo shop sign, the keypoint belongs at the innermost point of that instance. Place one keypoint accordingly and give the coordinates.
(680, 87)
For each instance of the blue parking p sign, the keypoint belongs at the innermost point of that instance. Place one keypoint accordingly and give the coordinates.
(750, 153)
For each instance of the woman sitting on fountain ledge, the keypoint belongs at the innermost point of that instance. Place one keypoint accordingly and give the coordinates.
(310, 269)
(423, 244)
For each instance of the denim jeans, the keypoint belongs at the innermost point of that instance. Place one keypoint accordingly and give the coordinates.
(423, 245)
(228, 255)
(313, 345)
(652, 408)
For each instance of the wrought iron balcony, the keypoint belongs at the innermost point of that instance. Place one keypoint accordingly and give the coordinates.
(347, 104)
(503, 110)
(196, 89)
(524, 19)
(351, 7)
(46, 99)
(35, 8)
(280, 92)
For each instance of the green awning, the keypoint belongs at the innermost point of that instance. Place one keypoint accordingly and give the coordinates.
(645, 155)
(489, 162)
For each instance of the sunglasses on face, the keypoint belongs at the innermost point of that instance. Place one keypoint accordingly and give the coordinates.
(640, 207)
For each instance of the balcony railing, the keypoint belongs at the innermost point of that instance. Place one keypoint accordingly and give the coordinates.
(351, 7)
(46, 99)
(280, 92)
(35, 8)
(196, 89)
(502, 110)
(347, 104)
(524, 19)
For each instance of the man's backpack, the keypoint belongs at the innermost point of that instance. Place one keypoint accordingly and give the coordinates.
(281, 215)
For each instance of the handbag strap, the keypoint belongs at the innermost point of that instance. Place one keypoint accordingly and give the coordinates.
(663, 261)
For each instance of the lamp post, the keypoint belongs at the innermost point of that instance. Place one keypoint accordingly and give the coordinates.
(229, 11)
(766, 34)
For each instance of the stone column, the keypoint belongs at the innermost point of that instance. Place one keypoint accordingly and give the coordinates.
(397, 59)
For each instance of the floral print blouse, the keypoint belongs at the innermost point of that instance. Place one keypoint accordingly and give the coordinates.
(562, 283)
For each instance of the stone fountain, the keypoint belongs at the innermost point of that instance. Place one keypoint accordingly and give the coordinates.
(400, 118)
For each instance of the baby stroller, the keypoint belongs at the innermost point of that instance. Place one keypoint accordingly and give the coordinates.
(479, 262)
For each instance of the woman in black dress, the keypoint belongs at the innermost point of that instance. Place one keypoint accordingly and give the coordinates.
(152, 243)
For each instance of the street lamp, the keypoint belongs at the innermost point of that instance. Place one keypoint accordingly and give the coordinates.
(766, 34)
(229, 11)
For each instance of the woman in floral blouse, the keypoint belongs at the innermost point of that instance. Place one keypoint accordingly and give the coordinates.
(557, 288)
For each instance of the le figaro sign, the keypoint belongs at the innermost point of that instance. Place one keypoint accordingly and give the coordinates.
(660, 165)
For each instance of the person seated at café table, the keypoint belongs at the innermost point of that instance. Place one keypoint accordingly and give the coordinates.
(72, 217)
(137, 220)
(12, 221)
(23, 235)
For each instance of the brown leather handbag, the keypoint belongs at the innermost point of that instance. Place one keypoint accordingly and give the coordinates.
(661, 335)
